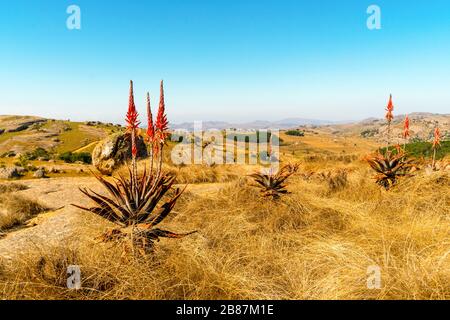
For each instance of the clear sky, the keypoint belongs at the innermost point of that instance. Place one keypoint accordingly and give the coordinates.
(224, 59)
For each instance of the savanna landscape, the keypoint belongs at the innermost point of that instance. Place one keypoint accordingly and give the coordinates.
(224, 158)
(347, 197)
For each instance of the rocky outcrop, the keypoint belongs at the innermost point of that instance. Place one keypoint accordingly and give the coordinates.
(9, 173)
(112, 152)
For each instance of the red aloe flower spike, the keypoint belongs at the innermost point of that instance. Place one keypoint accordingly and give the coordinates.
(390, 109)
(132, 115)
(436, 143)
(162, 125)
(150, 126)
(406, 128)
(437, 138)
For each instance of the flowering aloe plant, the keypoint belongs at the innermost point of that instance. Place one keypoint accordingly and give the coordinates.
(137, 202)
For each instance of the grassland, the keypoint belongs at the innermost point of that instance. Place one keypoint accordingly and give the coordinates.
(315, 243)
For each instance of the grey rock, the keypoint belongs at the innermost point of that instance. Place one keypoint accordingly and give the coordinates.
(40, 173)
(20, 170)
(54, 170)
(9, 173)
(112, 152)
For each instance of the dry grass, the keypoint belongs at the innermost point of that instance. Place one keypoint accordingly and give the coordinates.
(11, 187)
(16, 209)
(204, 173)
(311, 244)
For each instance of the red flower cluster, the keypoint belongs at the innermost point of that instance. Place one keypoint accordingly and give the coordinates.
(132, 121)
(157, 132)
(437, 138)
(406, 128)
(162, 125)
(150, 127)
(132, 115)
(390, 109)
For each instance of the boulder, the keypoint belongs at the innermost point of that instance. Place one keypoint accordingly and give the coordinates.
(54, 170)
(20, 170)
(39, 173)
(9, 173)
(115, 150)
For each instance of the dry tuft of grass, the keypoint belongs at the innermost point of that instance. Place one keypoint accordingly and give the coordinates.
(11, 187)
(15, 210)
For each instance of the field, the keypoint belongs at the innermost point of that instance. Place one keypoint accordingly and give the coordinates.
(320, 241)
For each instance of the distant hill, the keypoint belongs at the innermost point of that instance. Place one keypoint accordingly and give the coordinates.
(21, 134)
(258, 124)
(422, 126)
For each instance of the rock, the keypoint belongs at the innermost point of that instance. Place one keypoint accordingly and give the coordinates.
(9, 173)
(39, 173)
(79, 170)
(115, 150)
(20, 170)
(54, 170)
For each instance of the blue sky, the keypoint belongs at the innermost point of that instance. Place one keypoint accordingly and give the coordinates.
(224, 59)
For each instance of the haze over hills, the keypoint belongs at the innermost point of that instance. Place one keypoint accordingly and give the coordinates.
(19, 134)
(291, 123)
(257, 124)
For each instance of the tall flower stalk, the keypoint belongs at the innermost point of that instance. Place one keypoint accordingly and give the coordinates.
(389, 117)
(132, 128)
(436, 144)
(406, 133)
(150, 132)
(161, 128)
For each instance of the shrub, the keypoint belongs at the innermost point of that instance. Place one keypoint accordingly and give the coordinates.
(296, 132)
(369, 133)
(37, 154)
(71, 157)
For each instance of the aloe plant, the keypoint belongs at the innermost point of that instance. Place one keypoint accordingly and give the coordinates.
(274, 184)
(138, 202)
(389, 166)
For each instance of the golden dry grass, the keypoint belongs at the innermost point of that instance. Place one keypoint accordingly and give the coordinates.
(315, 243)
(16, 209)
